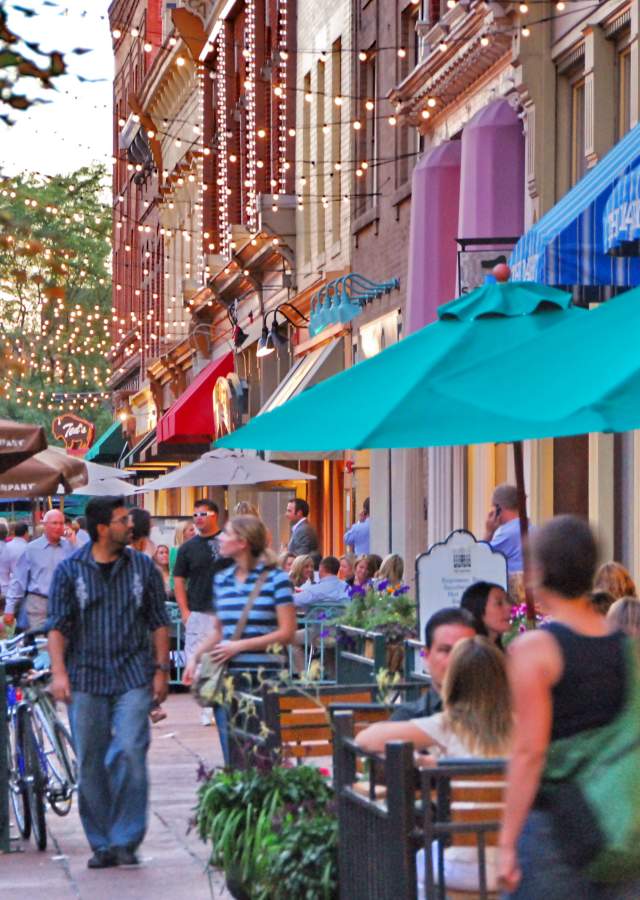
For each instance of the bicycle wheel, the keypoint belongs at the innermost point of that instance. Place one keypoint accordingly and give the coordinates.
(57, 749)
(17, 789)
(66, 754)
(35, 779)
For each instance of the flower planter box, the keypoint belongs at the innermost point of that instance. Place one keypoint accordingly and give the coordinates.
(394, 652)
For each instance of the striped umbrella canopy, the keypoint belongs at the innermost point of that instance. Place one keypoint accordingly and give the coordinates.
(19, 441)
(42, 474)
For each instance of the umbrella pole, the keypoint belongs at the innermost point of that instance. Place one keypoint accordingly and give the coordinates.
(518, 461)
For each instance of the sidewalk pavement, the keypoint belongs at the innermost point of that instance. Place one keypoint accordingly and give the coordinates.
(173, 862)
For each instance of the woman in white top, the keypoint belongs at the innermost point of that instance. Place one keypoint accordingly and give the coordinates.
(476, 721)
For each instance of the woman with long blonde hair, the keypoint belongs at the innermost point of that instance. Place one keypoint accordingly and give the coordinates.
(616, 580)
(476, 720)
(301, 571)
(391, 570)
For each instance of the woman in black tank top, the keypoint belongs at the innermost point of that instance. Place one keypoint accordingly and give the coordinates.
(566, 677)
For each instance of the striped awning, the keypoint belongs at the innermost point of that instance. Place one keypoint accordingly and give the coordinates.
(566, 247)
(622, 216)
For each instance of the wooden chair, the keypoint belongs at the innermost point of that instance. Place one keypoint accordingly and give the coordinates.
(462, 804)
(298, 721)
(376, 847)
(457, 804)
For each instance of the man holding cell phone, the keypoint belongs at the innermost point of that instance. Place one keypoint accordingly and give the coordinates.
(502, 528)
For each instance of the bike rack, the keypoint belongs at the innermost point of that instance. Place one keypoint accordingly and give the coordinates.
(5, 842)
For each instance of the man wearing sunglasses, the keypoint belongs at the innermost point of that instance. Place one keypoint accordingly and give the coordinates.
(196, 563)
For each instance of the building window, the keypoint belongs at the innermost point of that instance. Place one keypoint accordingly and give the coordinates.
(624, 92)
(577, 119)
(366, 142)
(320, 198)
(306, 166)
(336, 139)
(409, 41)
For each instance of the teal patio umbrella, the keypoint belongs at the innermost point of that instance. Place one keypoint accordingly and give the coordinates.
(393, 400)
(396, 398)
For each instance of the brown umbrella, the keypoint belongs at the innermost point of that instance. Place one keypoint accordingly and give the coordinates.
(19, 441)
(43, 474)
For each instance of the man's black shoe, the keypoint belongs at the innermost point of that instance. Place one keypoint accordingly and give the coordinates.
(102, 859)
(125, 856)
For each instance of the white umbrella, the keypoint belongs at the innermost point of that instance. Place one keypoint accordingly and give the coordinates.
(106, 487)
(225, 468)
(95, 471)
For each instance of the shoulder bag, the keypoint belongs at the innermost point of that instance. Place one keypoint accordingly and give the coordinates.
(591, 789)
(208, 685)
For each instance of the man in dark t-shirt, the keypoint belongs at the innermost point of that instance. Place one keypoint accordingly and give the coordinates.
(196, 563)
(442, 632)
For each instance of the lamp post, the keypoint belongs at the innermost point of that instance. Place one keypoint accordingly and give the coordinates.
(271, 339)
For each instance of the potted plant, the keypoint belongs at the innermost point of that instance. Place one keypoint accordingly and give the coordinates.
(383, 609)
(272, 829)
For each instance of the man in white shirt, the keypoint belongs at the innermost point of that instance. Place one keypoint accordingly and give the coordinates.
(11, 553)
(33, 573)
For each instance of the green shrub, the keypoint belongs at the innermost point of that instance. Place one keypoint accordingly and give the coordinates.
(272, 830)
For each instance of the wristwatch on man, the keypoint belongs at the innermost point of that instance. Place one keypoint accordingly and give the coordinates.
(163, 667)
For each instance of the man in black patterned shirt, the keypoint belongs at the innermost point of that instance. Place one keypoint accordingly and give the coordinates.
(109, 648)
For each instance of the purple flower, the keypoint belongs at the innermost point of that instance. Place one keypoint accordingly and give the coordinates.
(325, 633)
(356, 589)
(403, 589)
(383, 585)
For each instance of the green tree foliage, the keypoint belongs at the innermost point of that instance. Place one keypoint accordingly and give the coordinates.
(23, 61)
(55, 296)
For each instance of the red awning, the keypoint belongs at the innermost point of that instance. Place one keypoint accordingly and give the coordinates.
(190, 419)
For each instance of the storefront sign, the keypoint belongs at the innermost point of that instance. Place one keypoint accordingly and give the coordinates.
(477, 257)
(229, 404)
(447, 569)
(74, 432)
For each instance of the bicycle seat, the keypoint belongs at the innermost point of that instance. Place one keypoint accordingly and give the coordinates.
(17, 665)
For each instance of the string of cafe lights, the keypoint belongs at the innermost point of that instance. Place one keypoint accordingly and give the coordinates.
(62, 324)
(359, 172)
(561, 8)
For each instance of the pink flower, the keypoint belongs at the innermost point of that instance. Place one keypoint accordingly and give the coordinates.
(325, 773)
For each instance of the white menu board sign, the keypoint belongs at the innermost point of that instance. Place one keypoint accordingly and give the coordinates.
(448, 568)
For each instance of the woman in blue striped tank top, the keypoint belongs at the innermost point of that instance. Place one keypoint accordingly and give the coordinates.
(272, 621)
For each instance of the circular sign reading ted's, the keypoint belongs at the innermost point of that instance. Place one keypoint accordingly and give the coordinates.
(74, 432)
(229, 404)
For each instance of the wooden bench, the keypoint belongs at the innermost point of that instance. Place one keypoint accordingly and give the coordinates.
(298, 721)
(403, 810)
(294, 720)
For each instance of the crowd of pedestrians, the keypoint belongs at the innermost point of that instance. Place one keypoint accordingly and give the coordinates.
(104, 604)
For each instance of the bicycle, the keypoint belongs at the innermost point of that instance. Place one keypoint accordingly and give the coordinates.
(44, 764)
(26, 775)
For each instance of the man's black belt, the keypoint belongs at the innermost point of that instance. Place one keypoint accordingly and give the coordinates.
(37, 594)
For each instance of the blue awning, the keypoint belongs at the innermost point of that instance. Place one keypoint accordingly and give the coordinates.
(621, 225)
(566, 247)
